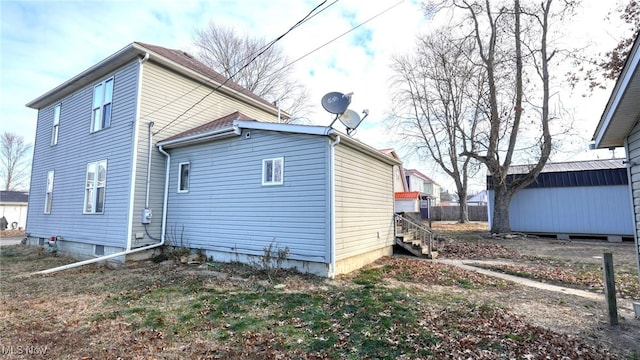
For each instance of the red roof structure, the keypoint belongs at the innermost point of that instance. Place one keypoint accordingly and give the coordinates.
(408, 195)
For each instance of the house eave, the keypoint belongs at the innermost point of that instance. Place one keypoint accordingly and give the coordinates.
(622, 109)
(113, 62)
(318, 130)
(227, 132)
(126, 55)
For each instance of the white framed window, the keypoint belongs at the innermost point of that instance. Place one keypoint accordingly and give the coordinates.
(102, 97)
(273, 171)
(95, 186)
(184, 172)
(56, 123)
(49, 193)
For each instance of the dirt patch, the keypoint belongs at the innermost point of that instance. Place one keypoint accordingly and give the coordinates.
(567, 263)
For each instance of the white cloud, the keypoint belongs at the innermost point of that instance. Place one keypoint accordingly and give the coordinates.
(45, 43)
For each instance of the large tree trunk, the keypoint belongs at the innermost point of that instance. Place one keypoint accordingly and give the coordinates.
(500, 217)
(464, 209)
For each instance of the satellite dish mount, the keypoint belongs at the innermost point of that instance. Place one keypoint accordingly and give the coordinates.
(337, 103)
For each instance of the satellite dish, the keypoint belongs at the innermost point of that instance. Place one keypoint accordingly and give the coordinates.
(350, 119)
(336, 102)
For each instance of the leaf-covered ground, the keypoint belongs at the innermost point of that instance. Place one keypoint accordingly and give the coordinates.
(397, 308)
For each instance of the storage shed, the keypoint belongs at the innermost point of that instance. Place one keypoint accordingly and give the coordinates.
(13, 207)
(580, 198)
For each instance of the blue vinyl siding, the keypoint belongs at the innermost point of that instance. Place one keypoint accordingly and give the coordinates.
(77, 147)
(227, 208)
(594, 210)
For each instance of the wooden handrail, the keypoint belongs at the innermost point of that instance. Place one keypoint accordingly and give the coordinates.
(424, 234)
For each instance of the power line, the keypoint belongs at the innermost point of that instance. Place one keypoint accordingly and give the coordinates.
(341, 35)
(325, 44)
(301, 21)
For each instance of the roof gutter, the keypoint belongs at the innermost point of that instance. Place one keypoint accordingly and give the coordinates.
(202, 137)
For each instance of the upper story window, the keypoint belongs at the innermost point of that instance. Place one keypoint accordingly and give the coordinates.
(49, 194)
(95, 186)
(102, 97)
(273, 171)
(56, 123)
(183, 176)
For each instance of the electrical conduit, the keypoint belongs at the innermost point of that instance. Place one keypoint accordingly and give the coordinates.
(129, 251)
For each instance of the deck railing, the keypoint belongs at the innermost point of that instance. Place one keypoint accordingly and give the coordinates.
(409, 229)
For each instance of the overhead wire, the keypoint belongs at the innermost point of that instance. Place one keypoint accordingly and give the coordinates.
(262, 51)
(306, 18)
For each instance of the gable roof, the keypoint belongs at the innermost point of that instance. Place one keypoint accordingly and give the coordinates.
(173, 59)
(14, 197)
(416, 173)
(622, 110)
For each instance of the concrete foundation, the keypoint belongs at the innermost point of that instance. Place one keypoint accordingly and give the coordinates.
(344, 266)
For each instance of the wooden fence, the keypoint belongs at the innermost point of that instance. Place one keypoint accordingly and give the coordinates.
(451, 213)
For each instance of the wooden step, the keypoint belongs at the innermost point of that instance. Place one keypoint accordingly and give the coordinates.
(425, 251)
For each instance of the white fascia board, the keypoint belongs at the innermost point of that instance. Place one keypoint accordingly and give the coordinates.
(201, 137)
(113, 62)
(617, 93)
(318, 130)
(291, 128)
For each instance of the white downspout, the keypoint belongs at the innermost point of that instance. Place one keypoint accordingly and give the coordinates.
(165, 202)
(129, 251)
(332, 196)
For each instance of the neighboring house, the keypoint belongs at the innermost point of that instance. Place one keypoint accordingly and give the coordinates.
(580, 198)
(13, 207)
(219, 181)
(479, 199)
(407, 202)
(399, 177)
(620, 126)
(418, 181)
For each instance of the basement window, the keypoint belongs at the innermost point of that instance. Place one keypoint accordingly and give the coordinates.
(184, 172)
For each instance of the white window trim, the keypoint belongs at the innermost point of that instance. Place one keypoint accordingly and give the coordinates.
(56, 124)
(180, 190)
(95, 165)
(48, 197)
(272, 182)
(102, 104)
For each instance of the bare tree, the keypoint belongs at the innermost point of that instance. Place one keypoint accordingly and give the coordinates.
(514, 52)
(267, 75)
(14, 153)
(437, 95)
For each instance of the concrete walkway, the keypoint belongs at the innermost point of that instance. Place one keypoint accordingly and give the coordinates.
(625, 307)
(10, 240)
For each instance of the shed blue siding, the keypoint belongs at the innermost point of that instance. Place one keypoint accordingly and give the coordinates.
(69, 158)
(599, 210)
(227, 209)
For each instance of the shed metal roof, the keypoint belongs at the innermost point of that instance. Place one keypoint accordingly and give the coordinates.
(571, 166)
(14, 197)
(575, 173)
